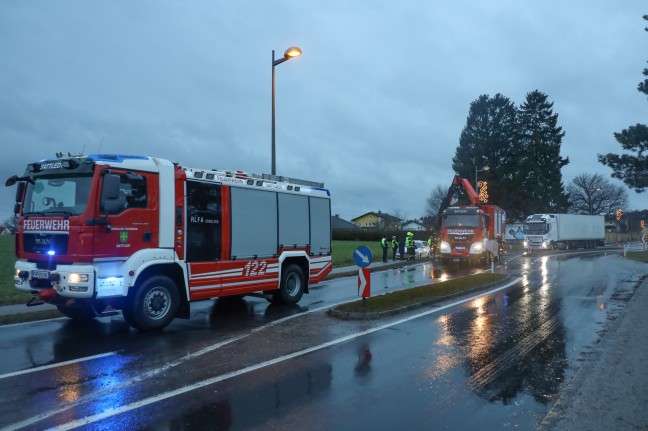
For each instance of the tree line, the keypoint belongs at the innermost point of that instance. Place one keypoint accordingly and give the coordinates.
(516, 150)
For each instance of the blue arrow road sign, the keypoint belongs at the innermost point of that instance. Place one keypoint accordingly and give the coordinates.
(362, 256)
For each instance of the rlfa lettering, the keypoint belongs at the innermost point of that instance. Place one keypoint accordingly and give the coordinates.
(31, 224)
(198, 219)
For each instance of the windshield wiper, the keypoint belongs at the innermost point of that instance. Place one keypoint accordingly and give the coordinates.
(34, 213)
(57, 211)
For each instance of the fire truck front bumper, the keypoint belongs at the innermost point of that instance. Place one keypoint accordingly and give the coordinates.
(461, 251)
(71, 281)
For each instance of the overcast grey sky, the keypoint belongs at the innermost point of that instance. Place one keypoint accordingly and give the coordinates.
(373, 108)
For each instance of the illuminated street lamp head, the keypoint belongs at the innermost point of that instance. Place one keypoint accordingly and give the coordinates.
(292, 52)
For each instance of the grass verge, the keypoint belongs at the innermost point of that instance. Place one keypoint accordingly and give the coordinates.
(8, 293)
(404, 298)
(641, 256)
(29, 317)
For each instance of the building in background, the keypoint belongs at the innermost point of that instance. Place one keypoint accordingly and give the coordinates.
(377, 220)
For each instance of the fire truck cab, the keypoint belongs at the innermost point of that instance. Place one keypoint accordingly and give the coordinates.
(143, 235)
(472, 233)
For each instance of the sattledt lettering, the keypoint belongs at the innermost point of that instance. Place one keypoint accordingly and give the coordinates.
(51, 165)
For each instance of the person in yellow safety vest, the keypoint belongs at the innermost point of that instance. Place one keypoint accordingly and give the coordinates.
(409, 245)
(385, 247)
(394, 244)
(432, 243)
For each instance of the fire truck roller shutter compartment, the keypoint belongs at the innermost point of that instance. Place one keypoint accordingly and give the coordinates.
(293, 220)
(320, 219)
(254, 223)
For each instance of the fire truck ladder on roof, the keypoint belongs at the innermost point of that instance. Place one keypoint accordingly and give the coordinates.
(280, 178)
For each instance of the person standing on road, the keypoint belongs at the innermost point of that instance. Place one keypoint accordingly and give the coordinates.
(394, 245)
(385, 247)
(432, 243)
(409, 245)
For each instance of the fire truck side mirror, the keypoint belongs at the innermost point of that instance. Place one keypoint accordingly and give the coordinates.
(110, 202)
(11, 180)
(110, 188)
(20, 190)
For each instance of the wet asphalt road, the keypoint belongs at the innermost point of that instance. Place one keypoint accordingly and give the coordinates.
(491, 362)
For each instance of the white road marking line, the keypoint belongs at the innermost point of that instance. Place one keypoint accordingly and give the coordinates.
(58, 364)
(151, 400)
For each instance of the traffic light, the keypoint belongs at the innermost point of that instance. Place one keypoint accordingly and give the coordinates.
(619, 213)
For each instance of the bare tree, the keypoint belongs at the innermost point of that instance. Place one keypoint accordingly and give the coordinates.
(399, 214)
(595, 194)
(434, 200)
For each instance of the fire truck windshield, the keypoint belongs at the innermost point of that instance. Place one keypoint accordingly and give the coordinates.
(461, 220)
(55, 195)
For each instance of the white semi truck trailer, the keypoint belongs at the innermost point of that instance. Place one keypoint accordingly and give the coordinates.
(564, 231)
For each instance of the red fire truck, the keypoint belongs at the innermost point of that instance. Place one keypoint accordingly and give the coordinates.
(143, 235)
(470, 231)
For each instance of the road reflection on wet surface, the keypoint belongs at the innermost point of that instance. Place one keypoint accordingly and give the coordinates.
(494, 361)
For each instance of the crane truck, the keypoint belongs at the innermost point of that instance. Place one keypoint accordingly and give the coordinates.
(470, 231)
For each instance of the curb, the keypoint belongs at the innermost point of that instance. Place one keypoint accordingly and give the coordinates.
(354, 271)
(374, 315)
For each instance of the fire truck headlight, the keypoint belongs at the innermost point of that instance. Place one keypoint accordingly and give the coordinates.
(78, 278)
(444, 247)
(476, 248)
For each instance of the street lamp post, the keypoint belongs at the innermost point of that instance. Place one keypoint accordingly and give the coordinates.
(484, 169)
(290, 53)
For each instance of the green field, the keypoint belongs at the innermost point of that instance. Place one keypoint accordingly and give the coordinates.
(343, 251)
(8, 293)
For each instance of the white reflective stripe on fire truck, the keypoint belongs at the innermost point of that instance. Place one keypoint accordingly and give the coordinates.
(239, 283)
(316, 273)
(320, 260)
(208, 286)
(236, 272)
(245, 283)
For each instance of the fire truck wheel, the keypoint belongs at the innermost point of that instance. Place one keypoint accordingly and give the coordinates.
(154, 304)
(292, 285)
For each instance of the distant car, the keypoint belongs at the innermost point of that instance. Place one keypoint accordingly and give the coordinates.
(421, 250)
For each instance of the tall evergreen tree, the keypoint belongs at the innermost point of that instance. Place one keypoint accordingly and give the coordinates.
(488, 139)
(632, 170)
(539, 160)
